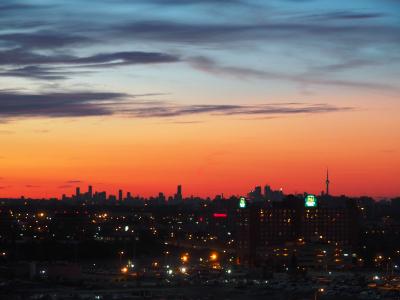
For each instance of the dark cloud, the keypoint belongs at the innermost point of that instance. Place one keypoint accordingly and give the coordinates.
(74, 181)
(186, 32)
(56, 104)
(49, 51)
(346, 15)
(36, 72)
(23, 57)
(230, 110)
(189, 2)
(56, 66)
(80, 104)
(295, 29)
(207, 65)
(43, 39)
(14, 6)
(126, 58)
(346, 65)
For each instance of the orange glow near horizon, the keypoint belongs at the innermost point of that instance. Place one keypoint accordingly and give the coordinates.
(217, 155)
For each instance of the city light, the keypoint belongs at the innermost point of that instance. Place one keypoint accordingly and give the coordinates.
(242, 202)
(213, 256)
(220, 215)
(310, 201)
(185, 258)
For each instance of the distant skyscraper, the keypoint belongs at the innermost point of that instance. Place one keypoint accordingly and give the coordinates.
(178, 196)
(90, 192)
(120, 196)
(327, 182)
(255, 194)
(179, 191)
(267, 192)
(78, 192)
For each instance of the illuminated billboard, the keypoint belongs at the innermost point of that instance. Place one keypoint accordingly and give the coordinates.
(242, 202)
(310, 201)
(220, 215)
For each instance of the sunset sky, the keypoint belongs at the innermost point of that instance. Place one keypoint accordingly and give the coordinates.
(219, 96)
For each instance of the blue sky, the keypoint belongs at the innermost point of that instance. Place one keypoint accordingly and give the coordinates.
(241, 47)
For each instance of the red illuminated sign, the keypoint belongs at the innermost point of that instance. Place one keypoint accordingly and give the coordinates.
(220, 215)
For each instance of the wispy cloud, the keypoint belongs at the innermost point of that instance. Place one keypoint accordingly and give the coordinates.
(52, 50)
(58, 66)
(81, 104)
(311, 78)
(169, 110)
(72, 104)
(65, 186)
(74, 181)
(345, 15)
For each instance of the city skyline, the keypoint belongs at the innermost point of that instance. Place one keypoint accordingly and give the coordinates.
(216, 95)
(89, 192)
(75, 187)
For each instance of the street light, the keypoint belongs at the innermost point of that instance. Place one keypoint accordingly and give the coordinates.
(185, 258)
(120, 256)
(318, 292)
(213, 256)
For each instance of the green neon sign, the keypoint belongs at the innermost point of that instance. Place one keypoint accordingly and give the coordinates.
(310, 201)
(242, 202)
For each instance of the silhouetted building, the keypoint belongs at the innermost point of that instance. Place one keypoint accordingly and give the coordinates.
(262, 226)
(327, 182)
(178, 196)
(78, 193)
(90, 192)
(256, 195)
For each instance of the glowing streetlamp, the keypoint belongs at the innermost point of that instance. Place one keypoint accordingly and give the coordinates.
(120, 256)
(318, 292)
(185, 258)
(213, 256)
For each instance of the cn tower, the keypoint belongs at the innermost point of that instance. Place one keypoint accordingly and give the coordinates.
(327, 182)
